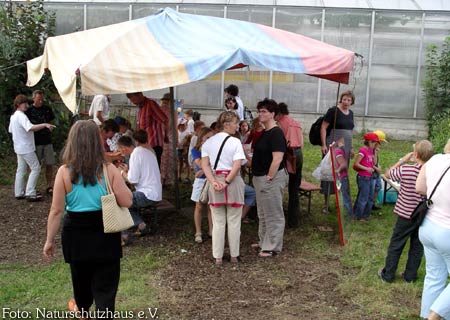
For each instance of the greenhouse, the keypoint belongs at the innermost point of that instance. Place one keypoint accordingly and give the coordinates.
(391, 36)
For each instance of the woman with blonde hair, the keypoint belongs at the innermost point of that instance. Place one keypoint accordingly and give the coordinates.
(222, 157)
(94, 256)
(434, 233)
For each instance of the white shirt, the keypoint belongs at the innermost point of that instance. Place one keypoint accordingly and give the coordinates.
(232, 151)
(439, 212)
(181, 136)
(240, 109)
(190, 126)
(23, 137)
(144, 173)
(99, 103)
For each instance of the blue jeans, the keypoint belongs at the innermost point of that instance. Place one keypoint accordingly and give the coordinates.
(249, 196)
(364, 202)
(436, 294)
(346, 198)
(139, 201)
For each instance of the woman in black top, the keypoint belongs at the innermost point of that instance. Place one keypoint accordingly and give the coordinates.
(331, 131)
(269, 179)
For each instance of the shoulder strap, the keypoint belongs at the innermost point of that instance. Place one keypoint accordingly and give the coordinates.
(105, 176)
(432, 192)
(220, 152)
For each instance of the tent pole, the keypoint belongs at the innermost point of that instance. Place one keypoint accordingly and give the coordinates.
(174, 149)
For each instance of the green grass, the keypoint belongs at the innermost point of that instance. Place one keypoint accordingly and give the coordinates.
(26, 287)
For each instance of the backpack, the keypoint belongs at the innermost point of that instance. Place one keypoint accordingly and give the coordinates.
(314, 132)
(247, 114)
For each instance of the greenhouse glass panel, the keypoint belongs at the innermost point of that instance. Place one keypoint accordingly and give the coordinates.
(349, 29)
(69, 17)
(298, 91)
(307, 22)
(304, 3)
(394, 4)
(346, 4)
(204, 93)
(203, 10)
(144, 10)
(434, 5)
(394, 64)
(393, 93)
(99, 15)
(261, 15)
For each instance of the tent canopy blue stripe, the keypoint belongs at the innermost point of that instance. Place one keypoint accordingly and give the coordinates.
(185, 40)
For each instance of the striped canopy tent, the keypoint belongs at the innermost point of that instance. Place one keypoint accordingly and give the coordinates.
(171, 48)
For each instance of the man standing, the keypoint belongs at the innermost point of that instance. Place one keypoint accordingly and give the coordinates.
(23, 138)
(39, 113)
(143, 173)
(153, 120)
(233, 91)
(99, 109)
(294, 162)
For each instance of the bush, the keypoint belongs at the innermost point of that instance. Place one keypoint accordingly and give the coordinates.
(24, 28)
(437, 93)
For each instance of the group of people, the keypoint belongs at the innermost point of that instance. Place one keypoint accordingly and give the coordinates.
(269, 150)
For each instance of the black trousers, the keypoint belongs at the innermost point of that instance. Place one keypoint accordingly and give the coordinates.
(158, 152)
(95, 281)
(404, 229)
(293, 187)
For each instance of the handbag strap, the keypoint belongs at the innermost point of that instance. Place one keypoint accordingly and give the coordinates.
(105, 176)
(432, 192)
(220, 152)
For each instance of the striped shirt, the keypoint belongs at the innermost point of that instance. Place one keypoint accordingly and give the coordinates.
(152, 119)
(408, 198)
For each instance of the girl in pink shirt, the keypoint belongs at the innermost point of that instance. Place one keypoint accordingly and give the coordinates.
(365, 166)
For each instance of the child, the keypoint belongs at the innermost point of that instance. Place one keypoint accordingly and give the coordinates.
(183, 135)
(188, 114)
(376, 174)
(197, 126)
(407, 200)
(200, 179)
(364, 165)
(243, 130)
(256, 132)
(342, 174)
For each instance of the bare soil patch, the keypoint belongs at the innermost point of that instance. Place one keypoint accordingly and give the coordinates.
(294, 285)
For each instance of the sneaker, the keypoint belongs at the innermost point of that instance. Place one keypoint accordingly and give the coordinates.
(325, 210)
(402, 275)
(374, 207)
(198, 238)
(380, 274)
(35, 198)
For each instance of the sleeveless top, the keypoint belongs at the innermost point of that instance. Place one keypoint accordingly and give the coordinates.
(85, 198)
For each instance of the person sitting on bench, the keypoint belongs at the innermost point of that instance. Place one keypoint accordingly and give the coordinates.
(143, 173)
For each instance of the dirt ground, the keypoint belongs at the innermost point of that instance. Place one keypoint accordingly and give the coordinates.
(293, 285)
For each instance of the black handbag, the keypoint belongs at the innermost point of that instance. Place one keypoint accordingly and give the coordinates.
(419, 213)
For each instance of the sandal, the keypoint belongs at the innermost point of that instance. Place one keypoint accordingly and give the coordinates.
(126, 241)
(142, 232)
(198, 238)
(255, 246)
(219, 261)
(267, 254)
(235, 259)
(49, 191)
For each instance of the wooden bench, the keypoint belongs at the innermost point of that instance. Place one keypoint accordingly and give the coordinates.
(305, 190)
(154, 209)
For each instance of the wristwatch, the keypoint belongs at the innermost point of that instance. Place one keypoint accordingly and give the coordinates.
(401, 161)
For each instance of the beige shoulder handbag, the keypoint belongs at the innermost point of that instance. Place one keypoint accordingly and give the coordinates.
(115, 218)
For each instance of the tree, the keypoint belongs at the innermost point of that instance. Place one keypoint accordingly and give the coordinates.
(437, 93)
(24, 27)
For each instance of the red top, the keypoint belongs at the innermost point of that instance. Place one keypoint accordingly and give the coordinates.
(152, 119)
